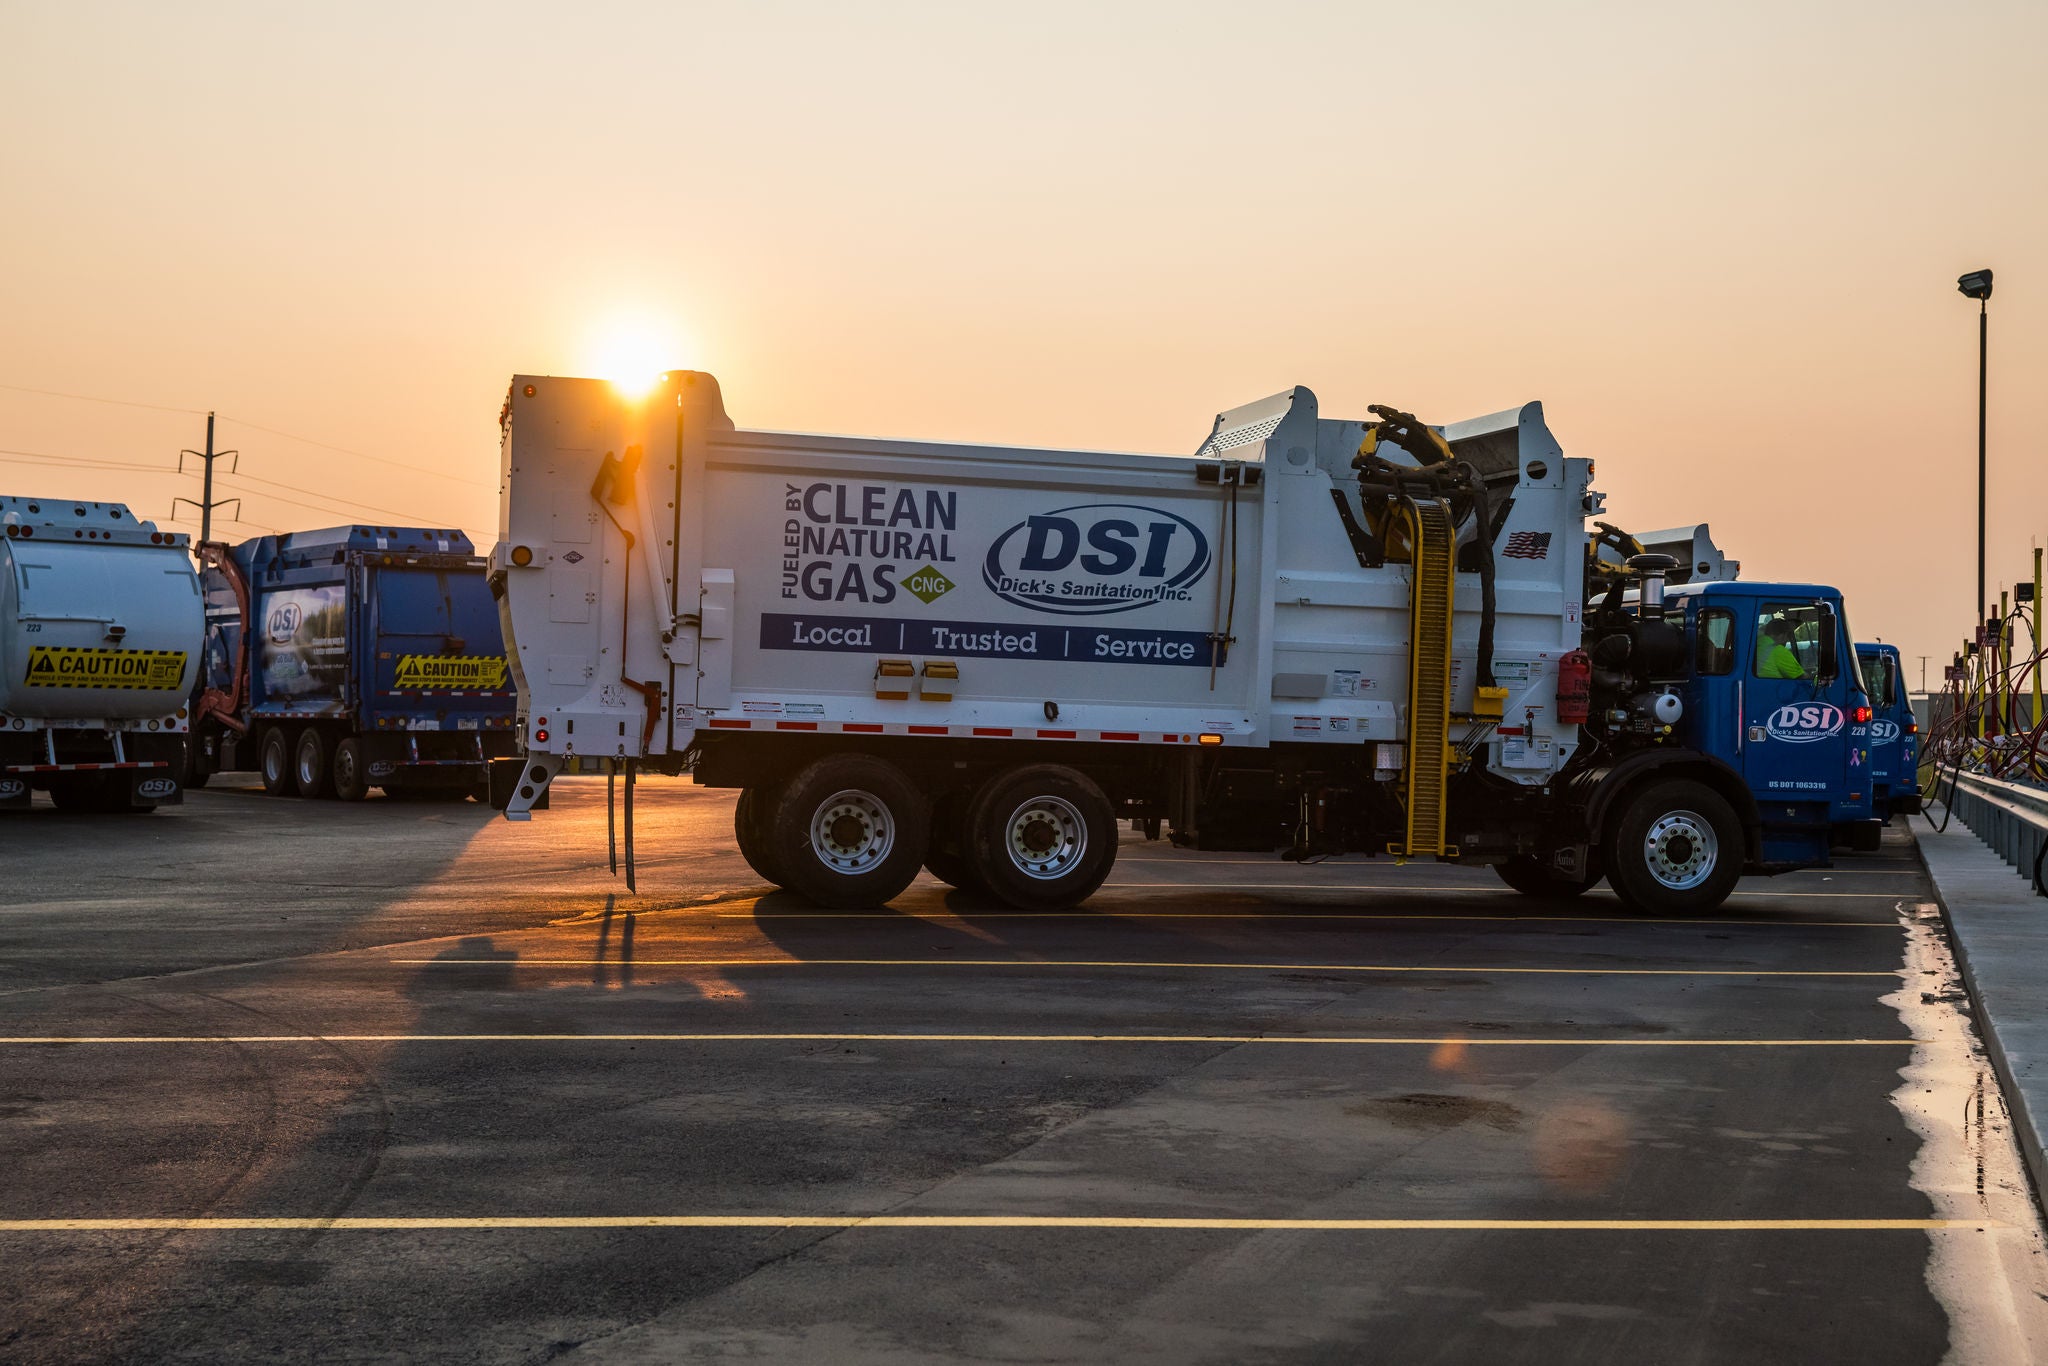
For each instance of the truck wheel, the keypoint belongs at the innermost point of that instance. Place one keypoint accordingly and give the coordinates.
(195, 771)
(115, 796)
(350, 770)
(309, 766)
(750, 832)
(75, 792)
(1677, 849)
(847, 832)
(1042, 837)
(946, 857)
(278, 778)
(1532, 876)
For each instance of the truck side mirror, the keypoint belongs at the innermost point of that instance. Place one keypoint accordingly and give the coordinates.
(1830, 630)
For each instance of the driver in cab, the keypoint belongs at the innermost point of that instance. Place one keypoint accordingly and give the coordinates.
(1774, 654)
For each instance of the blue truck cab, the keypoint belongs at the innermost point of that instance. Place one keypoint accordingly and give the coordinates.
(1775, 695)
(349, 658)
(1894, 731)
(1725, 731)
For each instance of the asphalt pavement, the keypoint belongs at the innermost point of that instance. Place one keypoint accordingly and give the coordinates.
(303, 1081)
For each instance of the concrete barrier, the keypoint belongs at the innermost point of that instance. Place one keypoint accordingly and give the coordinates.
(2011, 818)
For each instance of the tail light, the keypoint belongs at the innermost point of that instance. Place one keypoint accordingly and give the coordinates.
(1861, 715)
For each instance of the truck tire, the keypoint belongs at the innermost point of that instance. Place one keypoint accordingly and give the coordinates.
(750, 832)
(115, 797)
(351, 771)
(848, 831)
(194, 768)
(275, 763)
(309, 764)
(75, 792)
(1532, 876)
(946, 857)
(1676, 850)
(1041, 837)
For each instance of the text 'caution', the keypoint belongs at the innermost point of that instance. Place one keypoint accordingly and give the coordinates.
(74, 666)
(450, 671)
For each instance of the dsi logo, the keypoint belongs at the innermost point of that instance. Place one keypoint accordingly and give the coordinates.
(1802, 724)
(151, 789)
(1884, 732)
(1097, 558)
(284, 622)
(12, 789)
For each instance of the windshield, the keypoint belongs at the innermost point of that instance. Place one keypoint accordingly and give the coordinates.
(1858, 677)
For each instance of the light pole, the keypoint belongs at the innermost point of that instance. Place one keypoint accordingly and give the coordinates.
(1977, 285)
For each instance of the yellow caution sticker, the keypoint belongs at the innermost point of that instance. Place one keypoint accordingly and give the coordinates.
(75, 666)
(450, 671)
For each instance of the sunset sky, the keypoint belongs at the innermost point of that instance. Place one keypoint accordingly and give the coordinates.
(1720, 243)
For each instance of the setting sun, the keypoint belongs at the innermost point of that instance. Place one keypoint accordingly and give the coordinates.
(633, 352)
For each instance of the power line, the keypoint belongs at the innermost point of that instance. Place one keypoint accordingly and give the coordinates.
(78, 462)
(254, 426)
(336, 506)
(335, 503)
(116, 402)
(361, 455)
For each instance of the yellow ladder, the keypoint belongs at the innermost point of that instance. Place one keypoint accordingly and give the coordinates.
(1433, 581)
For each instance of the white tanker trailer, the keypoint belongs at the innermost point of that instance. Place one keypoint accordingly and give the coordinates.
(101, 626)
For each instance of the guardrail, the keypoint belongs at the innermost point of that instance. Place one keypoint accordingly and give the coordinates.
(2010, 817)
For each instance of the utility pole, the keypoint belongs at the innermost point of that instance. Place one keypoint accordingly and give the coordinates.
(1923, 673)
(207, 502)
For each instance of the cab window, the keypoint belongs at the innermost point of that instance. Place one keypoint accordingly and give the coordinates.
(1715, 652)
(1880, 680)
(1787, 640)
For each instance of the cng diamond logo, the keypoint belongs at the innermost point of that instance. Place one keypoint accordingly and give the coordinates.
(928, 584)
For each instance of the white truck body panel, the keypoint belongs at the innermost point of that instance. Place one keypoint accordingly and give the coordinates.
(1080, 595)
(101, 623)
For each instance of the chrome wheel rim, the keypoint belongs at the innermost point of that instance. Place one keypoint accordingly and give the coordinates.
(1681, 850)
(852, 832)
(1047, 838)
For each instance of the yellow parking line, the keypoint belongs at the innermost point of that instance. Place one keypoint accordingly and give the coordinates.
(1439, 969)
(1326, 1039)
(1477, 889)
(1107, 916)
(943, 1221)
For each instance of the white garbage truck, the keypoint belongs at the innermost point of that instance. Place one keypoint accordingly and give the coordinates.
(100, 632)
(1311, 636)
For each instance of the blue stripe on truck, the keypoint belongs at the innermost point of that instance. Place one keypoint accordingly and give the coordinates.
(986, 640)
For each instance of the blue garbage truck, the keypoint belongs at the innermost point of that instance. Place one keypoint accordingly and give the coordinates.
(351, 658)
(1894, 730)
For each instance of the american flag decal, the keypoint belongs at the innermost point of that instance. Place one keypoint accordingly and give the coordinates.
(1527, 545)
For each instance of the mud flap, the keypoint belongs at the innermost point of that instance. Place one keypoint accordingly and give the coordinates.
(155, 787)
